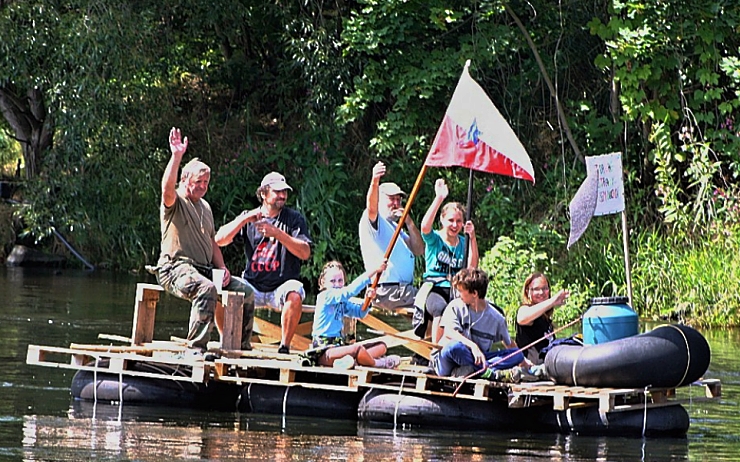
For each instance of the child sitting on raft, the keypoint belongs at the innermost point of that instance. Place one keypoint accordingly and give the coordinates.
(471, 326)
(332, 305)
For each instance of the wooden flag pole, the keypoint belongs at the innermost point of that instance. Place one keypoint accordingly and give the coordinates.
(626, 248)
(397, 233)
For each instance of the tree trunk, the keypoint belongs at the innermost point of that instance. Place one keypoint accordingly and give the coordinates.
(30, 122)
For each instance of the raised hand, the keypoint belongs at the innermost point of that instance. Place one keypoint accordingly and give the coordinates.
(383, 266)
(378, 170)
(440, 188)
(267, 229)
(178, 146)
(370, 293)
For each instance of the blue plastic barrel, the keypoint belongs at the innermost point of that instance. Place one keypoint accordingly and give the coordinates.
(607, 319)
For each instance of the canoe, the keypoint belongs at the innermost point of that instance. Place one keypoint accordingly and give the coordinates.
(669, 356)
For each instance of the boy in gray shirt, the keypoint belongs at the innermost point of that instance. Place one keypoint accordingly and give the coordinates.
(471, 327)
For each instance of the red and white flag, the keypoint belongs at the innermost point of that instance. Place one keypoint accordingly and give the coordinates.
(475, 135)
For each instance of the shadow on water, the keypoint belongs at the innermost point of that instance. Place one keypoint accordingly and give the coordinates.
(39, 421)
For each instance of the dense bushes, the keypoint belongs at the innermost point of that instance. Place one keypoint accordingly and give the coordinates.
(322, 90)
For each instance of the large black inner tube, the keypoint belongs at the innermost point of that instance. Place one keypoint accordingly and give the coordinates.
(668, 356)
(111, 387)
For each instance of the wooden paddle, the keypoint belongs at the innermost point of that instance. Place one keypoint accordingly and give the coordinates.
(407, 336)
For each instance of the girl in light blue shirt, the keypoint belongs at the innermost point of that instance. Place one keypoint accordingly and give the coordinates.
(333, 304)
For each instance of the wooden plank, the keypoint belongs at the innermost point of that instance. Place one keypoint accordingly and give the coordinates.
(264, 341)
(115, 338)
(305, 308)
(231, 337)
(117, 363)
(304, 328)
(606, 403)
(221, 370)
(287, 376)
(145, 308)
(267, 328)
(33, 354)
(111, 348)
(480, 389)
(244, 380)
(712, 388)
(659, 396)
(560, 402)
(362, 378)
(200, 373)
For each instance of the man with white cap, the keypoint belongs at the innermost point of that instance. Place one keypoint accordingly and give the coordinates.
(377, 225)
(275, 244)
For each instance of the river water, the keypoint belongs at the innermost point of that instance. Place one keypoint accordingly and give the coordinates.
(40, 421)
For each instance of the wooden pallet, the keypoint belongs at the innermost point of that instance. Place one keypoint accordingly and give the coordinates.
(287, 373)
(292, 373)
(608, 399)
(419, 383)
(272, 368)
(115, 362)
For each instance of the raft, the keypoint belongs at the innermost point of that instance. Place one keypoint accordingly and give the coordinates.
(623, 387)
(669, 356)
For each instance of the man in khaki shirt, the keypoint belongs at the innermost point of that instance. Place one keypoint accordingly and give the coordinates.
(189, 251)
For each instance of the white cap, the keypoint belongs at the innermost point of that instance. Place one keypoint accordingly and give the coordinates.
(391, 189)
(275, 181)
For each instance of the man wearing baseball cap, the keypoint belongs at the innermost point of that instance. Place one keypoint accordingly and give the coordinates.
(276, 242)
(377, 226)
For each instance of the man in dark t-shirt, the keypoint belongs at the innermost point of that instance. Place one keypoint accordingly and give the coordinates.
(276, 244)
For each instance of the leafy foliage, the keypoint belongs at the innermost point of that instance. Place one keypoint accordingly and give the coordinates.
(321, 90)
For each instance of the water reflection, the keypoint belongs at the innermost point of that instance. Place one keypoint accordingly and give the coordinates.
(155, 435)
(39, 421)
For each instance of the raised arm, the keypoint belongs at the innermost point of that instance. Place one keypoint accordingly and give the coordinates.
(226, 233)
(473, 256)
(440, 194)
(373, 192)
(178, 146)
(527, 314)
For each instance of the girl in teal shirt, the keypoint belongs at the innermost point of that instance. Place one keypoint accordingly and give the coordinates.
(444, 254)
